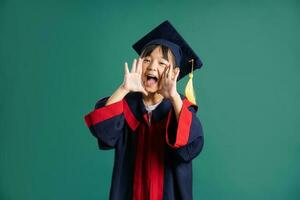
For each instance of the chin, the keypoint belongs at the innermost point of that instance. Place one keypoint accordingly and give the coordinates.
(151, 90)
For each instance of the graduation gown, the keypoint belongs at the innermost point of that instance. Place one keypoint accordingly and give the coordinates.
(153, 161)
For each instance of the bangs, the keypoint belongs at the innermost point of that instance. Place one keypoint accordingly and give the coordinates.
(149, 49)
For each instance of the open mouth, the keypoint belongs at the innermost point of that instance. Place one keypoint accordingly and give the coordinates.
(151, 79)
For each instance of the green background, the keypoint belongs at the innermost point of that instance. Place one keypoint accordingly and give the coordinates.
(58, 58)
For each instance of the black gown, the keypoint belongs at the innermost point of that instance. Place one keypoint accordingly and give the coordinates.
(152, 161)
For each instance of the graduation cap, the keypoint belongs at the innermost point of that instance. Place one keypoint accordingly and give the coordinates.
(186, 59)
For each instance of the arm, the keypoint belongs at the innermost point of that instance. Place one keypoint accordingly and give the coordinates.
(132, 82)
(168, 88)
(118, 95)
(107, 121)
(184, 135)
(177, 104)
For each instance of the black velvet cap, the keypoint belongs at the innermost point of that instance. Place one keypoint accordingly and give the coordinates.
(165, 34)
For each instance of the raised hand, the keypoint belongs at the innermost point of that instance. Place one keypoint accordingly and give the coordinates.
(132, 80)
(167, 83)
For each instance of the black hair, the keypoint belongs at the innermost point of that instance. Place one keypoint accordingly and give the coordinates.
(148, 50)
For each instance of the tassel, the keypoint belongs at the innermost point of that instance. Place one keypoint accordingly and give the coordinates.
(189, 89)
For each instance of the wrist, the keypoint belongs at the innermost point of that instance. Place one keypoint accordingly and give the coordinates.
(123, 89)
(174, 97)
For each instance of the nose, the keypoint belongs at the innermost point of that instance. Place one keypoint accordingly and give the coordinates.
(152, 66)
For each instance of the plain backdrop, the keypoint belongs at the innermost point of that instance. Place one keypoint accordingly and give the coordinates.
(57, 58)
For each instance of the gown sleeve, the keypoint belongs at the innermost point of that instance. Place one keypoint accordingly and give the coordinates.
(108, 123)
(185, 136)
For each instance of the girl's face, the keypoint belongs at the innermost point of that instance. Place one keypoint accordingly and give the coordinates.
(153, 68)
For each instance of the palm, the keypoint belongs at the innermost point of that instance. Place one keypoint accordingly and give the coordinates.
(167, 85)
(167, 88)
(132, 80)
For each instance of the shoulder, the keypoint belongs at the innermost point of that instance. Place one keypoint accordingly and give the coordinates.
(130, 98)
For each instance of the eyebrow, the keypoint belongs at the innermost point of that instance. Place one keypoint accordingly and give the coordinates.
(171, 59)
(160, 57)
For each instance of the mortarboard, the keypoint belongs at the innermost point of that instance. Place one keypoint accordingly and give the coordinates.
(186, 59)
(167, 35)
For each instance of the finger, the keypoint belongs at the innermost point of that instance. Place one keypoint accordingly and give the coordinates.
(170, 71)
(144, 92)
(126, 68)
(177, 74)
(174, 72)
(162, 73)
(159, 91)
(166, 72)
(160, 83)
(139, 66)
(133, 67)
(163, 76)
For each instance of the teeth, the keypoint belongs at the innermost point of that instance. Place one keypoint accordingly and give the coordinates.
(151, 75)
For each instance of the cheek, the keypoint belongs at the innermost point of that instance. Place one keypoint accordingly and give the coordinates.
(161, 71)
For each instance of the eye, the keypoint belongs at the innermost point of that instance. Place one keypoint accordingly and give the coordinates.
(163, 64)
(146, 60)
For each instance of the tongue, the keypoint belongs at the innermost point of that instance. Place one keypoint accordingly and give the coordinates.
(151, 81)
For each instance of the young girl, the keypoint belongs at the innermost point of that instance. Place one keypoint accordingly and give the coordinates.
(154, 130)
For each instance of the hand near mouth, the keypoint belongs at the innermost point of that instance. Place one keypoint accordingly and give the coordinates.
(167, 82)
(132, 80)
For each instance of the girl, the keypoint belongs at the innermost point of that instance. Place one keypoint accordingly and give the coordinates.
(154, 130)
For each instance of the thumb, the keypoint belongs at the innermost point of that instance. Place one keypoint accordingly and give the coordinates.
(144, 92)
